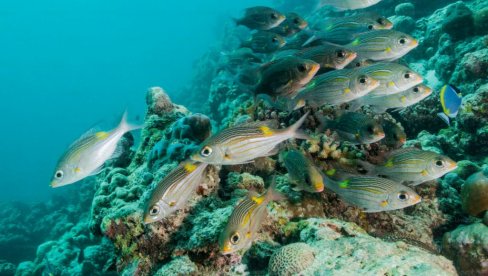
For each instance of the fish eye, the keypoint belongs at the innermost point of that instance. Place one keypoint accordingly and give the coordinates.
(380, 21)
(402, 40)
(341, 54)
(363, 80)
(302, 68)
(370, 27)
(370, 129)
(154, 211)
(416, 89)
(439, 163)
(206, 151)
(234, 239)
(59, 174)
(407, 75)
(274, 39)
(274, 16)
(358, 64)
(296, 21)
(402, 196)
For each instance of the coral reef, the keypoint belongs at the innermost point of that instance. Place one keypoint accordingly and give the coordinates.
(101, 230)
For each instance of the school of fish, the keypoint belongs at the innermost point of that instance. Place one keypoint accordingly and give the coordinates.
(349, 62)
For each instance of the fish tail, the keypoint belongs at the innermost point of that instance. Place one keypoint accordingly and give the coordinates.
(273, 194)
(324, 123)
(444, 118)
(296, 132)
(125, 126)
(310, 40)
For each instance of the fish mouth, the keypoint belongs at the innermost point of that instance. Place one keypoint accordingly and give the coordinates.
(414, 43)
(319, 187)
(417, 199)
(427, 90)
(303, 25)
(380, 134)
(452, 166)
(374, 84)
(352, 56)
(226, 249)
(403, 140)
(53, 184)
(388, 26)
(315, 68)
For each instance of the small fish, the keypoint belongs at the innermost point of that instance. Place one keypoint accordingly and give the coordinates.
(302, 172)
(393, 77)
(398, 101)
(328, 56)
(87, 155)
(382, 45)
(264, 42)
(243, 143)
(173, 192)
(451, 102)
(411, 166)
(285, 76)
(395, 136)
(343, 30)
(261, 18)
(245, 220)
(355, 128)
(372, 194)
(342, 5)
(335, 88)
(292, 25)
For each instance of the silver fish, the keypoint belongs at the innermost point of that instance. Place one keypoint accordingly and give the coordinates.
(264, 42)
(355, 128)
(87, 155)
(381, 103)
(261, 18)
(244, 143)
(342, 5)
(411, 166)
(393, 77)
(246, 220)
(372, 194)
(335, 88)
(173, 192)
(382, 45)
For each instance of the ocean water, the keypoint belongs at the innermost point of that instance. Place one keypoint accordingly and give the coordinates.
(69, 66)
(329, 203)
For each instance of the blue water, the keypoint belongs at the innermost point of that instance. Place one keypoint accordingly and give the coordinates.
(65, 65)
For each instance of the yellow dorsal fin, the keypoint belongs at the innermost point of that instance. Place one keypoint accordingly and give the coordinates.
(189, 167)
(266, 130)
(101, 135)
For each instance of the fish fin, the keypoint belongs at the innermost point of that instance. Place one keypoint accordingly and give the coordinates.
(444, 118)
(355, 105)
(310, 40)
(272, 194)
(97, 170)
(294, 129)
(274, 151)
(125, 126)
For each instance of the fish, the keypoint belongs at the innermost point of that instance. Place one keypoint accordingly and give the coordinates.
(264, 42)
(292, 25)
(355, 128)
(382, 45)
(243, 143)
(393, 77)
(246, 219)
(360, 62)
(261, 18)
(343, 30)
(343, 5)
(173, 191)
(285, 76)
(328, 56)
(395, 135)
(303, 174)
(410, 166)
(451, 101)
(371, 194)
(87, 155)
(398, 101)
(335, 88)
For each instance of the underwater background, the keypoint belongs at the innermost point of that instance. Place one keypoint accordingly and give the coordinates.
(70, 66)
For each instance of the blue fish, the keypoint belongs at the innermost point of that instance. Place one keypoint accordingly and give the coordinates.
(451, 102)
